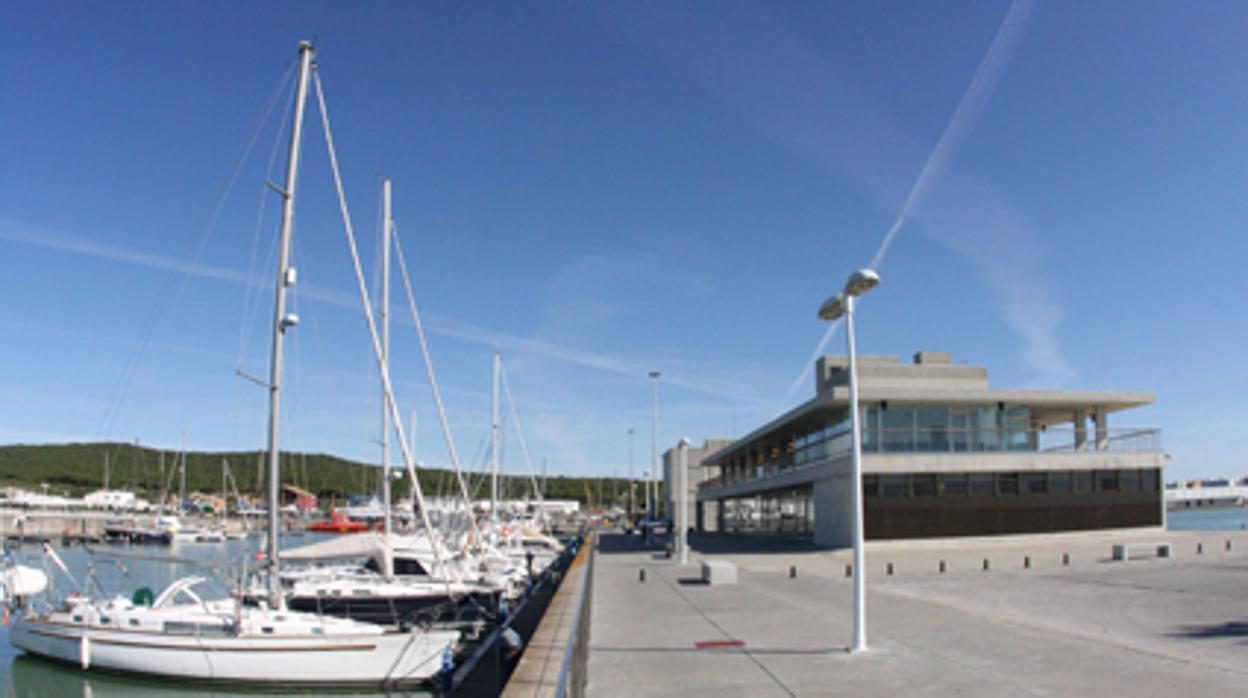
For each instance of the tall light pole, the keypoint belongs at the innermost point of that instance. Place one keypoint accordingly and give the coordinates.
(654, 442)
(842, 303)
(645, 477)
(632, 484)
(682, 514)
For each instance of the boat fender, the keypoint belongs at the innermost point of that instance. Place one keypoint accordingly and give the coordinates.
(513, 641)
(84, 651)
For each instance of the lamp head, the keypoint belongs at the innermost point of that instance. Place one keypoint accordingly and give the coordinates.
(833, 308)
(862, 281)
(654, 374)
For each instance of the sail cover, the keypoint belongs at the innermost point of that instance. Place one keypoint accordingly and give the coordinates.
(358, 545)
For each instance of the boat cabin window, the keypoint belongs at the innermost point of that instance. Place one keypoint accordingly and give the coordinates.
(409, 567)
(134, 622)
(105, 620)
(536, 544)
(77, 619)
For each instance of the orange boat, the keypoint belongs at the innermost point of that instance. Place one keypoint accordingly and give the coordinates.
(338, 523)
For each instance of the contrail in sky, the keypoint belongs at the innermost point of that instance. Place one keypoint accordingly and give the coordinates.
(964, 119)
(11, 231)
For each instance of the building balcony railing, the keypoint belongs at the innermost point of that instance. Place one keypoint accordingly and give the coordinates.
(943, 440)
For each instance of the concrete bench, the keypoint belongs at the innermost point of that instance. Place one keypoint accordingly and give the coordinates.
(1126, 551)
(716, 572)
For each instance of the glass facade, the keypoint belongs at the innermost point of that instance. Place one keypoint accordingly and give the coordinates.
(788, 511)
(1042, 482)
(888, 428)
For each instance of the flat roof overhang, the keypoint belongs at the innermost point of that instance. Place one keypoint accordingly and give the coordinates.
(1048, 406)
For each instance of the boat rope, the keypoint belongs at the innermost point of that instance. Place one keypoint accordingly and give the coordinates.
(173, 288)
(387, 386)
(254, 286)
(524, 446)
(433, 380)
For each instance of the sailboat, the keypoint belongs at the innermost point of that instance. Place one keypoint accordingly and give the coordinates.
(383, 577)
(186, 634)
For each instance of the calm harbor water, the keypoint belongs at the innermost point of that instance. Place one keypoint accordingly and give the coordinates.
(1223, 519)
(28, 677)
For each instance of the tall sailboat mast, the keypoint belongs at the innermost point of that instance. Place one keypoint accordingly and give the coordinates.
(494, 445)
(282, 321)
(385, 350)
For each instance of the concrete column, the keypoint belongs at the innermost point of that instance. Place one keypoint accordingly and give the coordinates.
(1081, 429)
(834, 516)
(1033, 438)
(1102, 428)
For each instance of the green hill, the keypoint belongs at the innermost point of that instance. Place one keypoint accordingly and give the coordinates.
(79, 468)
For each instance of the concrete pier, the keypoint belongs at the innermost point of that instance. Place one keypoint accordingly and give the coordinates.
(1051, 615)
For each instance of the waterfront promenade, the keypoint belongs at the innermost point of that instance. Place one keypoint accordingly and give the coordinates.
(1149, 627)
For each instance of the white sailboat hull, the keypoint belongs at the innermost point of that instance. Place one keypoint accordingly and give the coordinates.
(365, 659)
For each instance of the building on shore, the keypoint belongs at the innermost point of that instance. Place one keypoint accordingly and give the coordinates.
(944, 455)
(698, 473)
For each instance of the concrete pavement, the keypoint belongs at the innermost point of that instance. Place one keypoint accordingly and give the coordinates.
(1159, 627)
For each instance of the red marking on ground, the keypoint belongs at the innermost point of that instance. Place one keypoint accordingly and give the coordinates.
(718, 644)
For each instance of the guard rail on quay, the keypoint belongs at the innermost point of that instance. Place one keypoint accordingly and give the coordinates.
(556, 661)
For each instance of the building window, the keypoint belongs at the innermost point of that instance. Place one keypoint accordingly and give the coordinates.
(1149, 480)
(870, 486)
(1035, 483)
(1107, 480)
(1084, 480)
(1059, 482)
(953, 485)
(924, 485)
(1007, 483)
(895, 486)
(1130, 481)
(981, 484)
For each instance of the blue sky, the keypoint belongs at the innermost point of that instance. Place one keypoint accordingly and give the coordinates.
(599, 190)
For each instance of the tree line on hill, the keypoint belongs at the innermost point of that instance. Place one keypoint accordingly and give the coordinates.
(75, 469)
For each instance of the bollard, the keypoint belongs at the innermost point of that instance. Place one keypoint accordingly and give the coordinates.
(1065, 559)
(1200, 548)
(792, 571)
(890, 569)
(1228, 545)
(942, 566)
(1026, 562)
(985, 564)
(448, 671)
(849, 570)
(641, 575)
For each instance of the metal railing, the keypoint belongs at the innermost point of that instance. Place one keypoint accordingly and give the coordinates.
(574, 669)
(945, 440)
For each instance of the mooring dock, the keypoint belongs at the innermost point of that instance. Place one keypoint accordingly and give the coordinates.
(1052, 615)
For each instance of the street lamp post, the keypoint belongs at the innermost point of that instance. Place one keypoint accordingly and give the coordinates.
(842, 303)
(682, 514)
(632, 484)
(645, 477)
(654, 442)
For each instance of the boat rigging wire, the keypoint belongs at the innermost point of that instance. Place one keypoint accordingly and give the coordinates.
(387, 386)
(173, 288)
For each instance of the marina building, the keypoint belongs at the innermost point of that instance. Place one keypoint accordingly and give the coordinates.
(944, 455)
